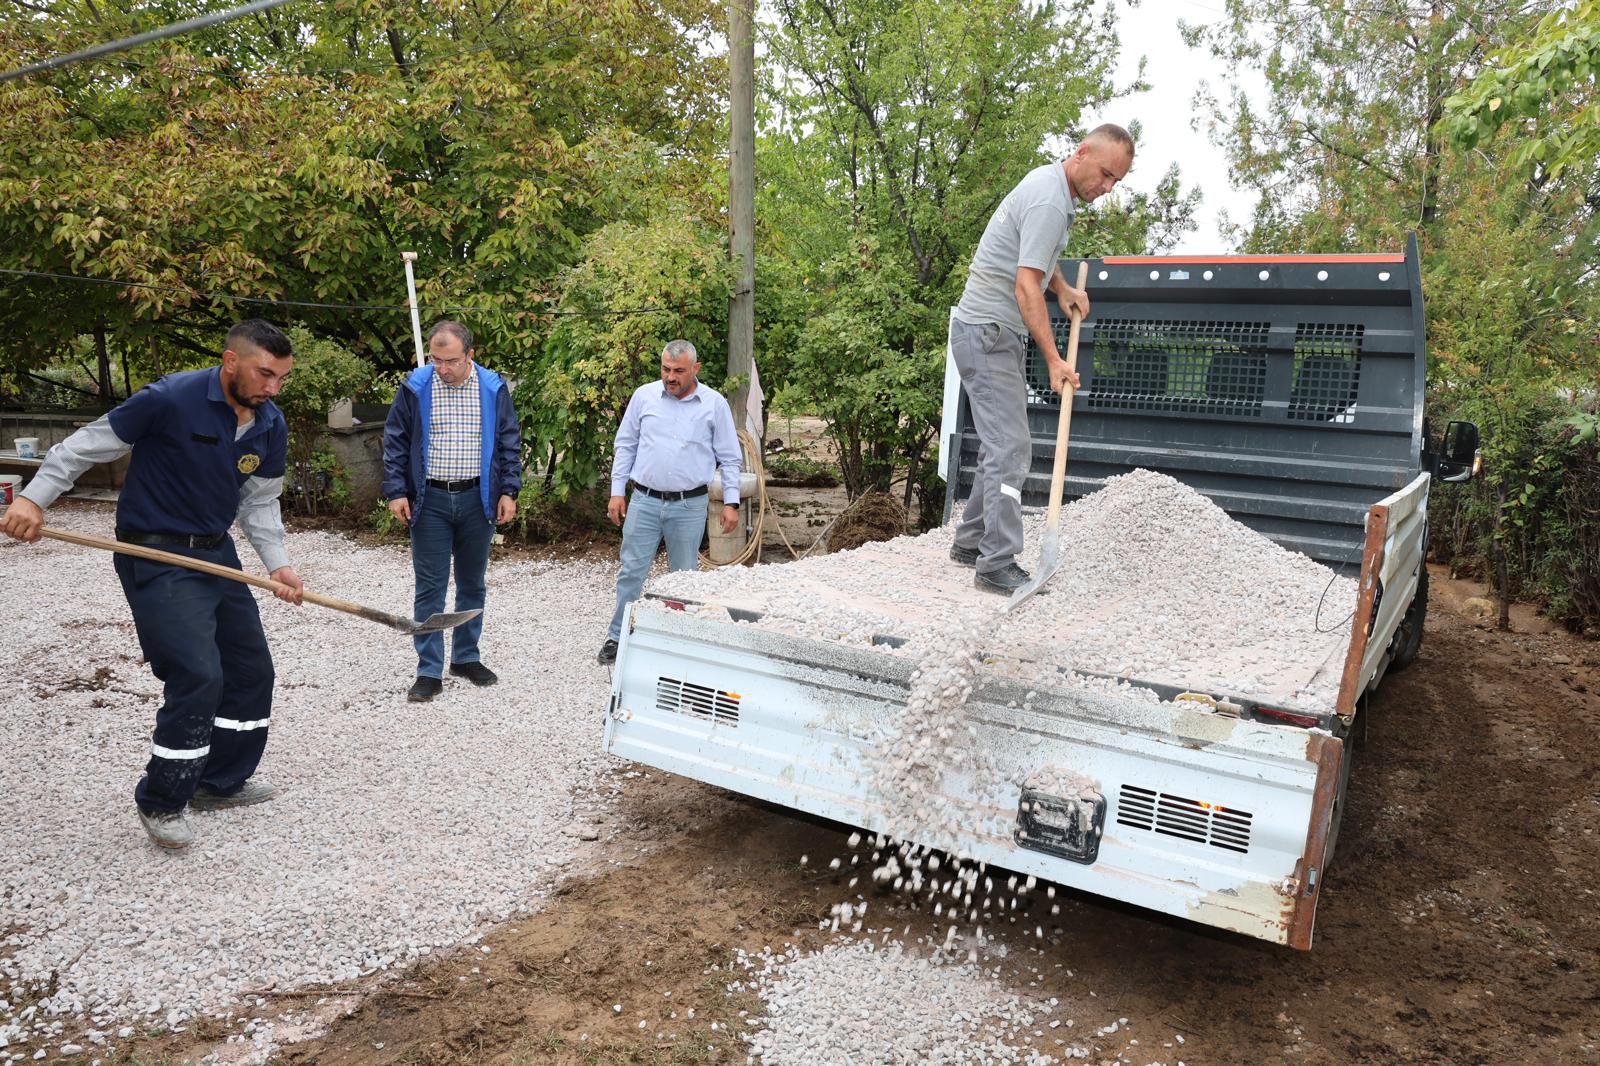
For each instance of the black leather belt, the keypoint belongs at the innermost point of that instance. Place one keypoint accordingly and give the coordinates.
(454, 486)
(686, 494)
(171, 540)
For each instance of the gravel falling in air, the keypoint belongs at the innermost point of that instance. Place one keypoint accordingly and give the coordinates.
(855, 1001)
(401, 828)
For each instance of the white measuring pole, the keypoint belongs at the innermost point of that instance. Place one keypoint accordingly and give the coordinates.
(411, 298)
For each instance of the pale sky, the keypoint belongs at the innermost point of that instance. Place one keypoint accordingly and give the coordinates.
(1175, 72)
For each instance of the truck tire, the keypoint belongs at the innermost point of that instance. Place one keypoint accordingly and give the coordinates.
(1408, 638)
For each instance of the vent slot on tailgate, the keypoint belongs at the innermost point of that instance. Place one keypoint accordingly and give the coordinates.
(697, 701)
(1187, 819)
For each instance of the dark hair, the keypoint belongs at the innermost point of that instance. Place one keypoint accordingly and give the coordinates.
(1111, 133)
(455, 329)
(259, 333)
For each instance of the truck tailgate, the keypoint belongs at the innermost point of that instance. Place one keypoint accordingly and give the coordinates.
(1199, 815)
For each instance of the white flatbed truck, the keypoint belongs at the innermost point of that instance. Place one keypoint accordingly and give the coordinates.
(1288, 390)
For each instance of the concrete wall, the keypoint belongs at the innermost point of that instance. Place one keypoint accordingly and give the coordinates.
(358, 449)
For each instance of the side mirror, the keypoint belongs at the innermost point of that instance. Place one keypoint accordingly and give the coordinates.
(1459, 457)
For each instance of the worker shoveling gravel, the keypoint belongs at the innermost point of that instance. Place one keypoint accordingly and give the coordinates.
(398, 831)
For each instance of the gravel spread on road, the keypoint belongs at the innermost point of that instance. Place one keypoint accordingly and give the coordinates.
(1156, 583)
(863, 1001)
(401, 828)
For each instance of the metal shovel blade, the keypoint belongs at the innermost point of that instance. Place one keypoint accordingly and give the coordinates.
(434, 623)
(438, 623)
(1049, 562)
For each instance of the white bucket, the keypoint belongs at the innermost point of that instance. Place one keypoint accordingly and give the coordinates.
(27, 447)
(10, 485)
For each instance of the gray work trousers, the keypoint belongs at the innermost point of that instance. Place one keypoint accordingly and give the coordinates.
(989, 359)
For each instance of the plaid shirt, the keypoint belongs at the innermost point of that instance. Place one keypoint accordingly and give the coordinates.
(455, 429)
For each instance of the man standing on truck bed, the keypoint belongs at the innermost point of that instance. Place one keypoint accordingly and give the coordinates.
(1017, 259)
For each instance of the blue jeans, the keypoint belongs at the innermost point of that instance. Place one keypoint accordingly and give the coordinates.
(202, 637)
(680, 522)
(449, 525)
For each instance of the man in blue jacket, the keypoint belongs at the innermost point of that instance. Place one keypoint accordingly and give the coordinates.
(452, 463)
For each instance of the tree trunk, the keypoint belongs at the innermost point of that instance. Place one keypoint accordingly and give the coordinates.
(102, 359)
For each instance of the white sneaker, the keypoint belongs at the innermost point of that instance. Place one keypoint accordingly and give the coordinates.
(169, 829)
(254, 790)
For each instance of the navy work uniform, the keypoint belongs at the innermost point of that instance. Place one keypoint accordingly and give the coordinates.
(193, 470)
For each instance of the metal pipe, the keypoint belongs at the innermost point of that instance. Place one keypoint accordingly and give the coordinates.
(411, 299)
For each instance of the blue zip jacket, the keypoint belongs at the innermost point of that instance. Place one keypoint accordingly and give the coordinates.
(405, 441)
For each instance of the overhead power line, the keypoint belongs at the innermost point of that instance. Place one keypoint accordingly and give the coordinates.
(174, 30)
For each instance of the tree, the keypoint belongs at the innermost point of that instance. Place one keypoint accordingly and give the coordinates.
(1545, 84)
(891, 130)
(1353, 147)
(1345, 152)
(293, 155)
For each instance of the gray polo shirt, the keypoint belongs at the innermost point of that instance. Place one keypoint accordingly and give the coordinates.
(1028, 229)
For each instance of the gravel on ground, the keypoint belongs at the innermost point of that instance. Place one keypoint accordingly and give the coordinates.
(401, 828)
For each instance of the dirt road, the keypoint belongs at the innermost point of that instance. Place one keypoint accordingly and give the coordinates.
(1458, 924)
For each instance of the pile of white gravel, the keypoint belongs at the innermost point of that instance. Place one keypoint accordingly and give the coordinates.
(860, 1001)
(1156, 583)
(401, 828)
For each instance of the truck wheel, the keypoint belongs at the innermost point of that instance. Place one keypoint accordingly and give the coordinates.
(1408, 639)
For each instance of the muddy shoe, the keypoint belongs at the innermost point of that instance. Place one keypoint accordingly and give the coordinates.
(1005, 581)
(254, 790)
(963, 556)
(168, 829)
(608, 652)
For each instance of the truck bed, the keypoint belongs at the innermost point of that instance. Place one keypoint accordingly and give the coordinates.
(1201, 604)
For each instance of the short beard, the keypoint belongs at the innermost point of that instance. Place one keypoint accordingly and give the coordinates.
(244, 401)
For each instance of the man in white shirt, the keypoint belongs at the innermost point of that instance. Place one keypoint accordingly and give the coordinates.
(673, 437)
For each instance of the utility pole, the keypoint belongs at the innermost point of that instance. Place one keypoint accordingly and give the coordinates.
(741, 201)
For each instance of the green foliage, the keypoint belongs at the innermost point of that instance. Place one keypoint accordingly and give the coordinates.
(323, 374)
(1543, 84)
(1349, 153)
(545, 516)
(572, 391)
(295, 154)
(891, 130)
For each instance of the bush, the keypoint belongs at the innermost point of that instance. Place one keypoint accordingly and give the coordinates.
(1526, 526)
(324, 373)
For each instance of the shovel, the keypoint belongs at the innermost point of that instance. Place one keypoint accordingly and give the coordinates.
(1050, 548)
(434, 624)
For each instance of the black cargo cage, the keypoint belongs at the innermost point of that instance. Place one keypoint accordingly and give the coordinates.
(1288, 389)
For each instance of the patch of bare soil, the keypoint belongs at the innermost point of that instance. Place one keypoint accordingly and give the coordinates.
(1458, 923)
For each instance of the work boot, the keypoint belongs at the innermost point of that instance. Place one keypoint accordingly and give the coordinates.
(168, 829)
(254, 790)
(477, 673)
(608, 653)
(1005, 581)
(424, 689)
(963, 556)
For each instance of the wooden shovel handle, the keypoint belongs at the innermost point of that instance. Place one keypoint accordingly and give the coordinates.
(1058, 471)
(157, 555)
